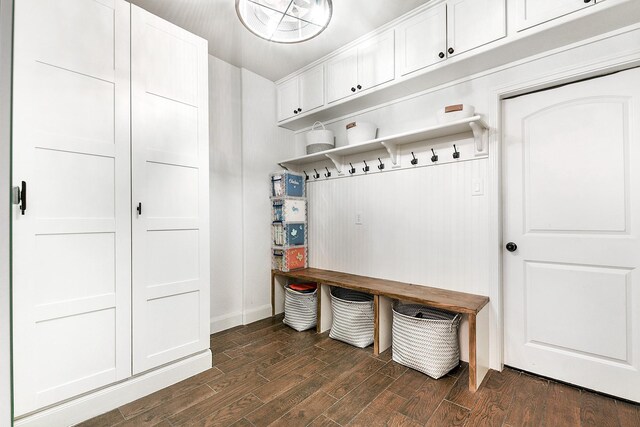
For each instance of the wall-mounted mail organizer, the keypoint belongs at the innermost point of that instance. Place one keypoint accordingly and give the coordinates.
(288, 221)
(461, 140)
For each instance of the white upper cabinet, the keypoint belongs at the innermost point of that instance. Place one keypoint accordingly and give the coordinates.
(534, 12)
(363, 67)
(301, 93)
(342, 74)
(473, 23)
(421, 40)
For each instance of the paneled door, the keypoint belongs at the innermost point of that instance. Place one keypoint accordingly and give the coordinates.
(422, 40)
(170, 186)
(71, 245)
(572, 233)
(473, 23)
(533, 12)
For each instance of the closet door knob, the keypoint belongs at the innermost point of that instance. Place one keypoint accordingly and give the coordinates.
(450, 50)
(359, 87)
(295, 111)
(511, 247)
(353, 89)
(441, 55)
(299, 110)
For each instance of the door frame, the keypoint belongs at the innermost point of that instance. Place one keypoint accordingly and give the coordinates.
(593, 67)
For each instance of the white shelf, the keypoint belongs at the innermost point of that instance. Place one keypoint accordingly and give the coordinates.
(391, 143)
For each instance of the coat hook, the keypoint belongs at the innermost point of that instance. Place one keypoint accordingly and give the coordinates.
(456, 153)
(434, 158)
(352, 170)
(414, 161)
(366, 167)
(381, 165)
(328, 174)
(306, 177)
(317, 175)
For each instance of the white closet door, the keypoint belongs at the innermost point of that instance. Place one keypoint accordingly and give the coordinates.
(71, 248)
(171, 183)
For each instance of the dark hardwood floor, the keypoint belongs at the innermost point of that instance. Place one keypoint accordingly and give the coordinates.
(268, 374)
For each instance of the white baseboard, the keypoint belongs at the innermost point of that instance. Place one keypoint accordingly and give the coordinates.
(104, 400)
(226, 321)
(255, 314)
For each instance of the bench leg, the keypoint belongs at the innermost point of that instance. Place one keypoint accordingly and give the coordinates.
(277, 294)
(383, 316)
(478, 347)
(325, 317)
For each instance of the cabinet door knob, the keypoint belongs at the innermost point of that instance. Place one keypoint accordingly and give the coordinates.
(299, 110)
(450, 50)
(359, 87)
(353, 89)
(441, 54)
(587, 1)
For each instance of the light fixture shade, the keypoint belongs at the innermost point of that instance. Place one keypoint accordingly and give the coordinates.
(285, 21)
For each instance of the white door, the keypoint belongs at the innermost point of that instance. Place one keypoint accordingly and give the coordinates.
(421, 40)
(572, 207)
(473, 23)
(170, 185)
(312, 89)
(534, 12)
(342, 74)
(288, 99)
(71, 247)
(376, 61)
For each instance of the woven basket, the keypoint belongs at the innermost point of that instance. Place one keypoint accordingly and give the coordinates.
(300, 309)
(352, 317)
(428, 344)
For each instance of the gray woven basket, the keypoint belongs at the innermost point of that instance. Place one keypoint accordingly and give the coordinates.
(428, 344)
(352, 317)
(300, 309)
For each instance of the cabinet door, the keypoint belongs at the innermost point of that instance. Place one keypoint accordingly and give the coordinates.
(534, 12)
(72, 245)
(421, 41)
(312, 89)
(288, 99)
(342, 74)
(473, 23)
(376, 61)
(170, 186)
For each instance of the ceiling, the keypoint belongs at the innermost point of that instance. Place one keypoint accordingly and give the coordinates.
(229, 40)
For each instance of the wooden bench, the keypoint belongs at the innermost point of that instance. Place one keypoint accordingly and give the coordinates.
(384, 292)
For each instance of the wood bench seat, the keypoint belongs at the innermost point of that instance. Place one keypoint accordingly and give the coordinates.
(475, 307)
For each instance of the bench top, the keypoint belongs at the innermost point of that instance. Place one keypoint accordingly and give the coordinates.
(459, 302)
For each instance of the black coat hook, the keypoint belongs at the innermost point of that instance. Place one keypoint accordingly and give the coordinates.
(306, 177)
(366, 167)
(352, 170)
(381, 165)
(317, 175)
(328, 174)
(456, 153)
(434, 158)
(414, 161)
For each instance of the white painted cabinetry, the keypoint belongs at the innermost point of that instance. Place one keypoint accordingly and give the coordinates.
(361, 68)
(446, 30)
(534, 12)
(302, 93)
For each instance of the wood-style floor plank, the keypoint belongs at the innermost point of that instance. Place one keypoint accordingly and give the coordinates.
(268, 374)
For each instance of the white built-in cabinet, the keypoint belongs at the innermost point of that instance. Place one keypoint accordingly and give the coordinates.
(106, 104)
(361, 68)
(421, 40)
(473, 23)
(302, 93)
(534, 12)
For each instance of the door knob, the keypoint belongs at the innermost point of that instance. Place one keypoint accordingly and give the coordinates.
(353, 89)
(450, 50)
(441, 55)
(511, 247)
(359, 87)
(299, 110)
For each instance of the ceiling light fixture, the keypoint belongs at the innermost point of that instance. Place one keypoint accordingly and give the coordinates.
(285, 21)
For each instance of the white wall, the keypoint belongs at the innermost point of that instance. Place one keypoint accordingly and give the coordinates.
(423, 225)
(225, 186)
(263, 145)
(6, 28)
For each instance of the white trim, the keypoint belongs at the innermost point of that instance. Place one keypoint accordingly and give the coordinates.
(104, 400)
(226, 321)
(255, 314)
(615, 62)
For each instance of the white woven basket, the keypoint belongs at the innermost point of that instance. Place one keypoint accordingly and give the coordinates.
(428, 344)
(352, 317)
(300, 309)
